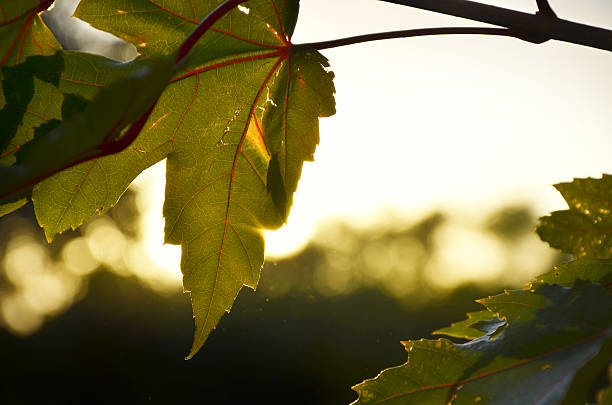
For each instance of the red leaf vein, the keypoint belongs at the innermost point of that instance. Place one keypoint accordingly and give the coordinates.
(492, 372)
(231, 186)
(280, 52)
(283, 37)
(195, 21)
(21, 32)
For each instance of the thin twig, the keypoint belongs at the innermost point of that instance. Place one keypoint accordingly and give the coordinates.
(420, 32)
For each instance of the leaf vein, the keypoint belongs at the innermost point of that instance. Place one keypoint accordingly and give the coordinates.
(201, 189)
(78, 189)
(229, 199)
(492, 372)
(246, 253)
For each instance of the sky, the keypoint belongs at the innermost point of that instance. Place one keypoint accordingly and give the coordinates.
(453, 122)
(450, 122)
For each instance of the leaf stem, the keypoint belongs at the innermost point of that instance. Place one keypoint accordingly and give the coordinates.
(420, 32)
(204, 26)
(540, 27)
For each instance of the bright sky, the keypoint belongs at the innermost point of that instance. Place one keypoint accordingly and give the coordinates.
(450, 122)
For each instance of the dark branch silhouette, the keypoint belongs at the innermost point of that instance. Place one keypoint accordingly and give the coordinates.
(540, 26)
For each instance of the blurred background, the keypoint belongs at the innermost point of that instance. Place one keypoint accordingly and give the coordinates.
(424, 195)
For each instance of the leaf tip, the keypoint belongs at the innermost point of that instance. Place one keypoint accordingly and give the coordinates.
(195, 348)
(49, 235)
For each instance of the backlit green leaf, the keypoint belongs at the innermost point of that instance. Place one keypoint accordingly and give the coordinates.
(10, 207)
(22, 31)
(22, 34)
(594, 270)
(21, 111)
(158, 27)
(246, 95)
(583, 230)
(69, 198)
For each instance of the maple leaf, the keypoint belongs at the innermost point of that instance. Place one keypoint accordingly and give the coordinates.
(552, 337)
(43, 91)
(22, 31)
(593, 270)
(236, 124)
(22, 34)
(583, 230)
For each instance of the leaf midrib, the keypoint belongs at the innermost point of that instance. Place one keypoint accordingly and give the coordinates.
(229, 199)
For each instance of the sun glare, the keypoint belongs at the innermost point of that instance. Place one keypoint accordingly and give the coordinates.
(151, 184)
(295, 234)
(284, 242)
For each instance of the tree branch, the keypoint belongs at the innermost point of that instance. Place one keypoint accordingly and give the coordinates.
(420, 32)
(540, 27)
(545, 8)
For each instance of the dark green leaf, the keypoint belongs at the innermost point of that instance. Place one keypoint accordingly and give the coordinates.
(588, 380)
(605, 396)
(552, 333)
(19, 82)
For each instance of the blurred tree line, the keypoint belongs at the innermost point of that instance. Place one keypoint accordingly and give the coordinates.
(319, 322)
